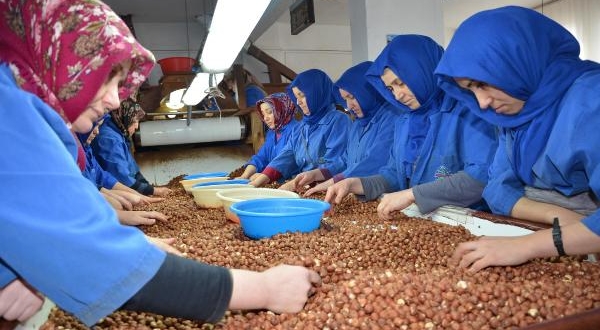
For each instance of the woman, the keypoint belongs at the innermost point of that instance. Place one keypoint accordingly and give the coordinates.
(112, 148)
(62, 63)
(441, 153)
(277, 112)
(321, 138)
(522, 72)
(371, 133)
(121, 197)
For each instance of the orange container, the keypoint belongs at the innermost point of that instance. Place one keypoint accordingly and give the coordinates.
(174, 65)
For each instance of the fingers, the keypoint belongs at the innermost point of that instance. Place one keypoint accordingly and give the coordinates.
(314, 277)
(157, 216)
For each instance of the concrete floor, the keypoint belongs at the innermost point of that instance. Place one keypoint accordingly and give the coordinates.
(160, 164)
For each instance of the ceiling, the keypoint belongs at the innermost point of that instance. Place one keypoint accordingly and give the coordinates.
(331, 12)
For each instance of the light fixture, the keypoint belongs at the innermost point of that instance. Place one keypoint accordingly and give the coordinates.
(200, 86)
(231, 25)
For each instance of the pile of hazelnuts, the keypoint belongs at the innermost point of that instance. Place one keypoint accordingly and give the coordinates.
(375, 274)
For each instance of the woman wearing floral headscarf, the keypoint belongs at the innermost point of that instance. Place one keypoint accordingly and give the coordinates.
(63, 64)
(112, 148)
(521, 71)
(277, 112)
(321, 138)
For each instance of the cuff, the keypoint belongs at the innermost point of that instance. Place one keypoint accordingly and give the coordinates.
(326, 173)
(272, 173)
(338, 177)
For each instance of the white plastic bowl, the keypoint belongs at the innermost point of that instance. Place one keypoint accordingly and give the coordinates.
(187, 184)
(230, 196)
(206, 197)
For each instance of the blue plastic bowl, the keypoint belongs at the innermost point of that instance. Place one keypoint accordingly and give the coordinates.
(263, 218)
(214, 183)
(204, 175)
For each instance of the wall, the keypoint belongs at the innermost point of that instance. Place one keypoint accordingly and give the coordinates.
(326, 47)
(401, 17)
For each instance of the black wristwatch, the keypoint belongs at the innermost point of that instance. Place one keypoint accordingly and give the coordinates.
(557, 238)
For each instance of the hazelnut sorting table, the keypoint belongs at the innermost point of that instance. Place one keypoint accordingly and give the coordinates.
(377, 275)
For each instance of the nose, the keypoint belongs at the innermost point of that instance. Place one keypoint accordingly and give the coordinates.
(111, 98)
(483, 99)
(398, 94)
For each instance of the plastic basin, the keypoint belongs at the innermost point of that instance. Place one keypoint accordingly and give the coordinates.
(205, 175)
(205, 194)
(230, 196)
(263, 218)
(188, 184)
(175, 65)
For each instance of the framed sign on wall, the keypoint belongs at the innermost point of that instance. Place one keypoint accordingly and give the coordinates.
(302, 15)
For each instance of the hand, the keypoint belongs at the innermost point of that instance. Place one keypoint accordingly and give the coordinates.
(341, 189)
(161, 191)
(19, 302)
(289, 186)
(254, 176)
(148, 200)
(320, 187)
(394, 202)
(132, 198)
(308, 177)
(490, 251)
(260, 180)
(288, 287)
(136, 218)
(165, 244)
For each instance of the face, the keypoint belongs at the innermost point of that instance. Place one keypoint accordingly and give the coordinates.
(267, 113)
(134, 126)
(106, 99)
(352, 103)
(399, 89)
(488, 96)
(301, 100)
(94, 132)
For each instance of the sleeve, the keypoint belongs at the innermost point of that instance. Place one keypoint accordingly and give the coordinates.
(335, 144)
(480, 141)
(142, 185)
(264, 154)
(103, 178)
(593, 222)
(111, 154)
(381, 142)
(201, 291)
(503, 189)
(284, 164)
(74, 226)
(6, 274)
(459, 189)
(374, 186)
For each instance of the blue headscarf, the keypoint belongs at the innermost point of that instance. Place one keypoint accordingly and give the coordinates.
(526, 55)
(355, 82)
(413, 59)
(317, 87)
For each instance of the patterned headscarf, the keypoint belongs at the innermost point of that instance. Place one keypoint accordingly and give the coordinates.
(526, 55)
(129, 112)
(355, 82)
(318, 89)
(283, 109)
(64, 50)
